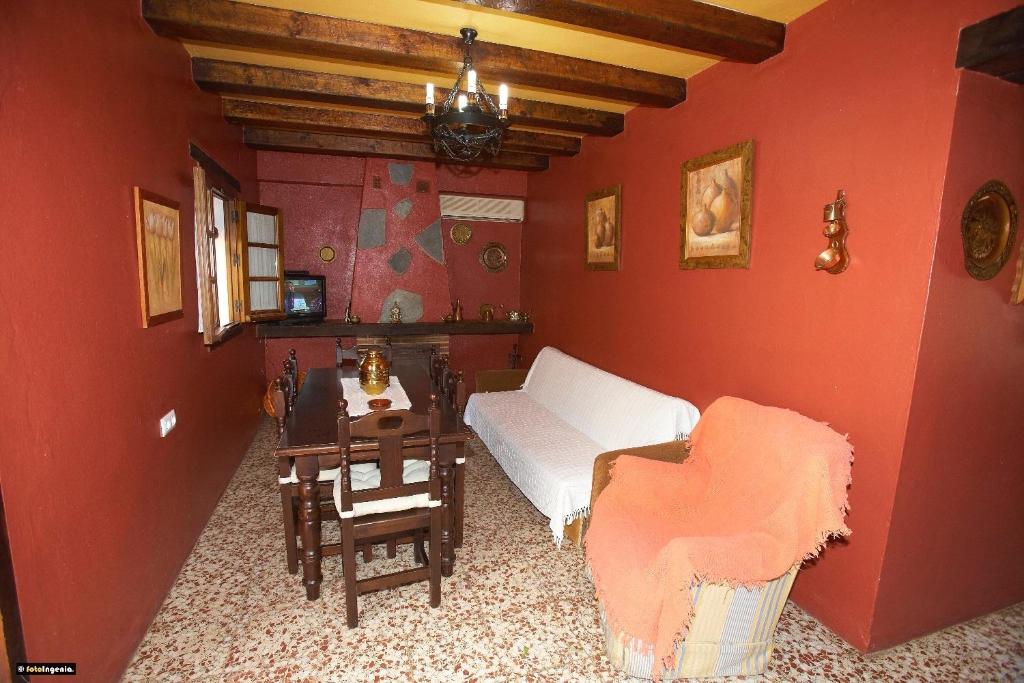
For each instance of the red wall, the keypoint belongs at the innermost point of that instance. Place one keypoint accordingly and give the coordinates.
(958, 530)
(474, 286)
(322, 197)
(862, 99)
(102, 512)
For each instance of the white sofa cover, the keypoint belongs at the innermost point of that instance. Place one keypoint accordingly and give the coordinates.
(547, 434)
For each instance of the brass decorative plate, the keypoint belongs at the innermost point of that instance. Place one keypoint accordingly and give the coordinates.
(494, 257)
(327, 254)
(486, 312)
(461, 232)
(988, 227)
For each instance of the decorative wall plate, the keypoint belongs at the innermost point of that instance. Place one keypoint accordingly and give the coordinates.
(327, 254)
(461, 232)
(494, 257)
(988, 227)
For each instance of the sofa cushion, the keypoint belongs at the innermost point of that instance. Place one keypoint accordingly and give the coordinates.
(610, 410)
(550, 461)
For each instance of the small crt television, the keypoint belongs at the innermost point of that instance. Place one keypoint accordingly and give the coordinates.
(305, 297)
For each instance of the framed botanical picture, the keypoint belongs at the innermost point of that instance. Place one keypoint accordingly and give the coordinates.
(603, 211)
(158, 238)
(714, 221)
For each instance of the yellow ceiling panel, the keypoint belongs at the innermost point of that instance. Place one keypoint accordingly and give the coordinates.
(266, 58)
(447, 17)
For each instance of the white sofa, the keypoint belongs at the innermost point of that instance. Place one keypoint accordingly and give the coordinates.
(547, 434)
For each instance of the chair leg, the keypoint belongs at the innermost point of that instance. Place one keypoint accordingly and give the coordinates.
(418, 553)
(289, 512)
(348, 563)
(367, 553)
(460, 501)
(435, 557)
(392, 549)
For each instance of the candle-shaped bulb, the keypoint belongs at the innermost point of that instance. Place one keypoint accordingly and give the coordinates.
(462, 102)
(471, 76)
(430, 93)
(503, 96)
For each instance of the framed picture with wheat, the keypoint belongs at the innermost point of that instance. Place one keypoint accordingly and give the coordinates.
(158, 241)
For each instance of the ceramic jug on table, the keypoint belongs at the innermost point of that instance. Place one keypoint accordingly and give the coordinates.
(374, 371)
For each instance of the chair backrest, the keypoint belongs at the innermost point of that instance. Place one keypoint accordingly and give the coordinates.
(438, 368)
(289, 382)
(353, 354)
(279, 401)
(455, 391)
(388, 429)
(349, 356)
(293, 364)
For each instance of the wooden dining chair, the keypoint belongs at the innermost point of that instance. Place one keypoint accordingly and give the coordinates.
(401, 499)
(284, 391)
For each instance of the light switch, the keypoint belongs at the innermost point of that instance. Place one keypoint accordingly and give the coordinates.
(167, 423)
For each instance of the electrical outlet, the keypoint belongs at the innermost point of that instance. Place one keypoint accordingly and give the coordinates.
(167, 423)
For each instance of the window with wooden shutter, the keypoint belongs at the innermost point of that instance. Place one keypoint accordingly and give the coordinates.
(263, 262)
(206, 262)
(218, 258)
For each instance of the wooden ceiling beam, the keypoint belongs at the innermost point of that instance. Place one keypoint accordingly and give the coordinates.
(362, 124)
(687, 24)
(266, 28)
(343, 145)
(291, 84)
(995, 46)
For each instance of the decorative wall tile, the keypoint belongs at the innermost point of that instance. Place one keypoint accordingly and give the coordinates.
(400, 261)
(430, 241)
(411, 304)
(403, 208)
(401, 174)
(372, 231)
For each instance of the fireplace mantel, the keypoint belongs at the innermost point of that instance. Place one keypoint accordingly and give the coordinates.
(339, 328)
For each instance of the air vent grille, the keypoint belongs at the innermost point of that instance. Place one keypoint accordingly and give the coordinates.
(482, 208)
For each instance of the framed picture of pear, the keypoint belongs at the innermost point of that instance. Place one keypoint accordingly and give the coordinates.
(603, 210)
(714, 221)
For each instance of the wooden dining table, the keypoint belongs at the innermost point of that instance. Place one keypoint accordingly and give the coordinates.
(310, 439)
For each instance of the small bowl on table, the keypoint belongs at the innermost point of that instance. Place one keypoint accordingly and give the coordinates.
(379, 403)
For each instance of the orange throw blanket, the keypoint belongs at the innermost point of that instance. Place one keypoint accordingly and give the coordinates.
(762, 490)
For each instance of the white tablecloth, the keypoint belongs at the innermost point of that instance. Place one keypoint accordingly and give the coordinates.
(358, 399)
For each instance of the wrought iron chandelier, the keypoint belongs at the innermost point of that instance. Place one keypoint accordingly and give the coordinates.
(468, 126)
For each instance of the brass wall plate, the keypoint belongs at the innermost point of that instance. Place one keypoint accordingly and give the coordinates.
(988, 228)
(494, 257)
(461, 233)
(327, 253)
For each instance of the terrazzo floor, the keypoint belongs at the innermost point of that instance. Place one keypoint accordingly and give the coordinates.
(516, 609)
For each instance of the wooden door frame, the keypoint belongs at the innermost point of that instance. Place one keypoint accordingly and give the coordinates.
(12, 641)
